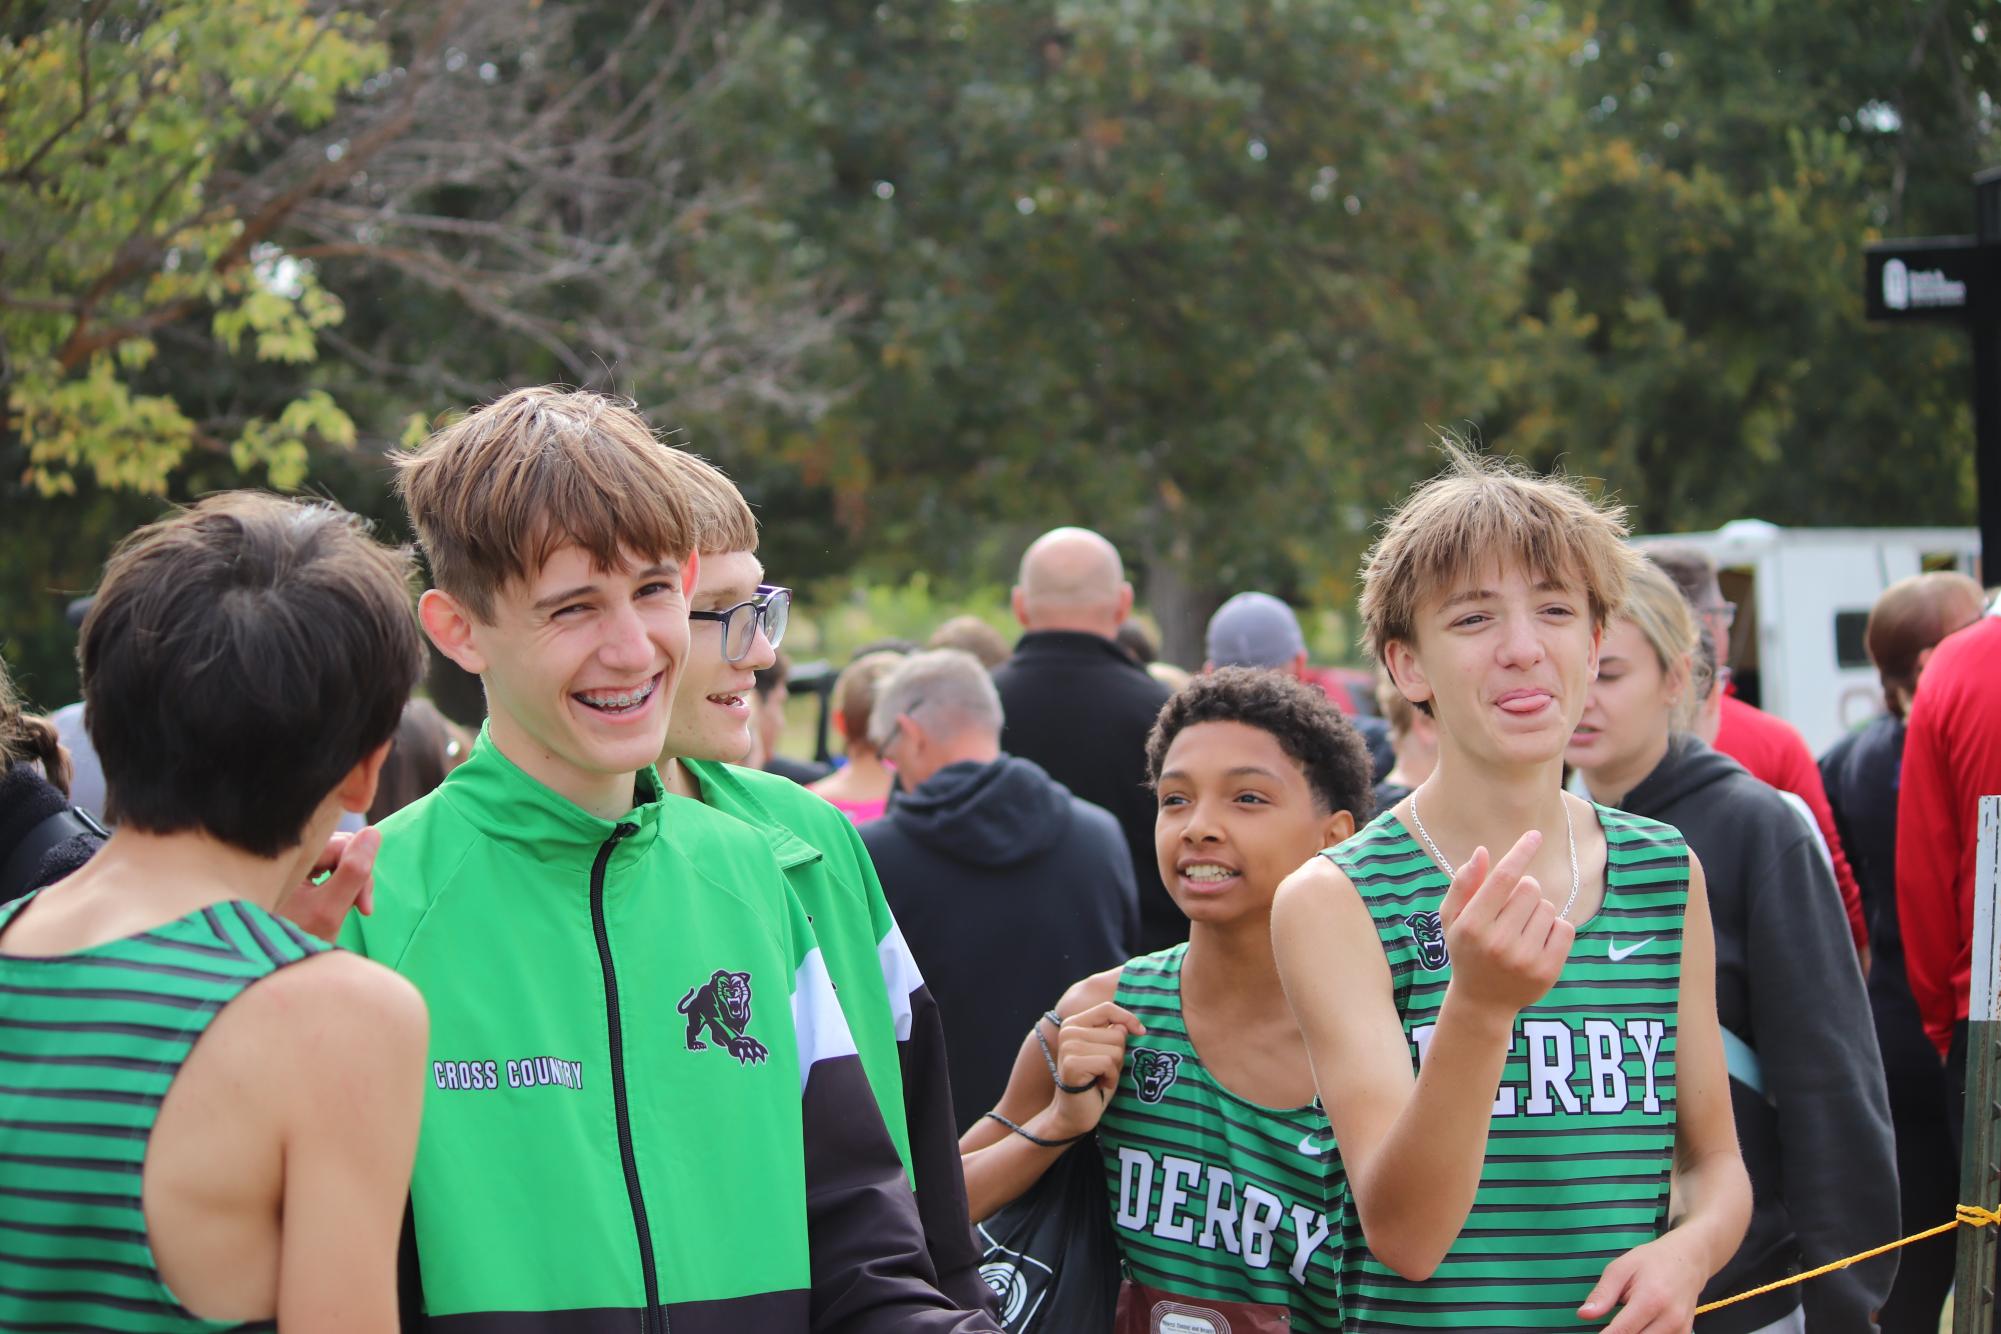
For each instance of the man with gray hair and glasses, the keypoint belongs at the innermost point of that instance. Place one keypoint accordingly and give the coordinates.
(1006, 886)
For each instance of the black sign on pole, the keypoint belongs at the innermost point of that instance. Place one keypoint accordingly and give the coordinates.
(1956, 279)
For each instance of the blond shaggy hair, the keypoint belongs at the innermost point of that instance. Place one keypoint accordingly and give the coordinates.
(1655, 606)
(723, 520)
(494, 494)
(1481, 510)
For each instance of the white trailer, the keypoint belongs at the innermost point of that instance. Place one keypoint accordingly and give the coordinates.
(1803, 597)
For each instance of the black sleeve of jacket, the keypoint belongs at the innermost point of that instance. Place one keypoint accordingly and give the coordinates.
(1129, 906)
(870, 1269)
(1816, 1041)
(934, 1157)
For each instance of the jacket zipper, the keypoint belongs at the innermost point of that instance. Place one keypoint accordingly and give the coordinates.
(654, 1317)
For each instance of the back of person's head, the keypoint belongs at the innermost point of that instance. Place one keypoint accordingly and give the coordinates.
(27, 739)
(1483, 510)
(1909, 618)
(948, 690)
(1254, 630)
(1390, 703)
(1657, 609)
(1072, 579)
(1690, 568)
(241, 658)
(970, 634)
(855, 691)
(1305, 723)
(426, 748)
(496, 493)
(722, 517)
(1133, 638)
(887, 644)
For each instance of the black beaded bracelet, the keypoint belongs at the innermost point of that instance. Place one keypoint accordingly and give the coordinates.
(1031, 1136)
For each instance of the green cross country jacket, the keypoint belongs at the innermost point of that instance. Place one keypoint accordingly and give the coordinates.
(895, 1023)
(644, 1110)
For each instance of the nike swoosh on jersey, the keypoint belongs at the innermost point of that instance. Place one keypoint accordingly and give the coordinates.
(1614, 953)
(1312, 1150)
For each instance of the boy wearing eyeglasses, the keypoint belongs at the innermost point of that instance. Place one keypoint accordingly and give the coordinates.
(735, 625)
(644, 1106)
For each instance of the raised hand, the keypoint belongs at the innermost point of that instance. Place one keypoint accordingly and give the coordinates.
(348, 863)
(1506, 942)
(1090, 1052)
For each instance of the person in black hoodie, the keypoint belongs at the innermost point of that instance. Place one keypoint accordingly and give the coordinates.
(1806, 1080)
(1080, 706)
(1862, 772)
(42, 837)
(1007, 887)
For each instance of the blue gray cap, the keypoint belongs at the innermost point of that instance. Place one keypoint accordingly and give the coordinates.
(1254, 630)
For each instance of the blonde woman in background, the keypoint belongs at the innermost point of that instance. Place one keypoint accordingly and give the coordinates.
(1806, 1079)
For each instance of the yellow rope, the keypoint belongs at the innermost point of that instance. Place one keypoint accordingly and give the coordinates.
(1970, 1214)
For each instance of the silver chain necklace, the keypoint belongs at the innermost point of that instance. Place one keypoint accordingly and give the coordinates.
(1569, 829)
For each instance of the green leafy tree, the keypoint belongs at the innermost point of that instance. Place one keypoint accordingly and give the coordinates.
(264, 241)
(121, 126)
(1695, 332)
(1195, 273)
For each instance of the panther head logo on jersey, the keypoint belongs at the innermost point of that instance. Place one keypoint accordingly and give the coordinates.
(722, 1006)
(1154, 1072)
(1429, 933)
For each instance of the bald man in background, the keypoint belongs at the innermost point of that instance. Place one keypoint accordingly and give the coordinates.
(1078, 705)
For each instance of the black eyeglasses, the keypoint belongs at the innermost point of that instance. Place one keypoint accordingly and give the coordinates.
(770, 605)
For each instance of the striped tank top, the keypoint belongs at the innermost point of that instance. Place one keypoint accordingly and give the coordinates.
(89, 1043)
(1582, 1137)
(1213, 1196)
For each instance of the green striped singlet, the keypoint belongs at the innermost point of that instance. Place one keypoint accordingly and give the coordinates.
(1212, 1196)
(89, 1043)
(1582, 1138)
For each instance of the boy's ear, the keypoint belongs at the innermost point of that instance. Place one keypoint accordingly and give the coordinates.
(690, 573)
(1337, 828)
(1597, 643)
(1407, 673)
(450, 627)
(357, 791)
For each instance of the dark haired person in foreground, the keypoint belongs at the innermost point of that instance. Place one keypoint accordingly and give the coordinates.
(206, 1115)
(1224, 1184)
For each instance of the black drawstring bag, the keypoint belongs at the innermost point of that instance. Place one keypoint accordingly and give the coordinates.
(1050, 1256)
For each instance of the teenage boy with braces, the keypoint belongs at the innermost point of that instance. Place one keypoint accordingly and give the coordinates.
(645, 1105)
